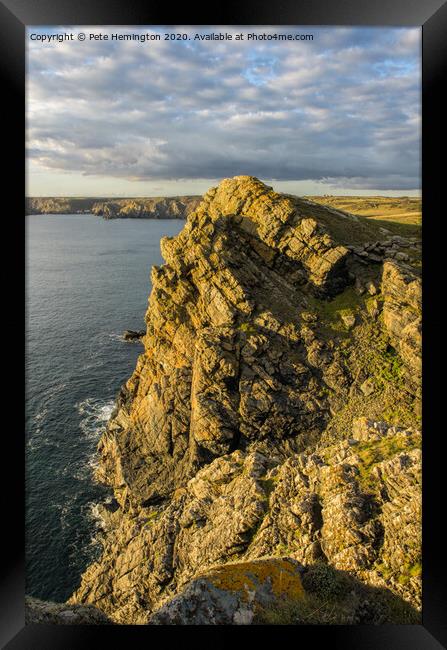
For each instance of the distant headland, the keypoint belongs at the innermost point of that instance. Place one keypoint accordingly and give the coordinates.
(173, 207)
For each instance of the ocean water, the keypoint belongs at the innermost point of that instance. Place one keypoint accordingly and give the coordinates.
(87, 280)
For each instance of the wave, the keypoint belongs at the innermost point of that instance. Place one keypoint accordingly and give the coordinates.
(116, 337)
(95, 413)
(94, 513)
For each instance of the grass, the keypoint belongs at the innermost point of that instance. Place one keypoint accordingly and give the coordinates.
(389, 366)
(334, 597)
(151, 518)
(248, 329)
(403, 209)
(329, 312)
(372, 453)
(361, 229)
(367, 354)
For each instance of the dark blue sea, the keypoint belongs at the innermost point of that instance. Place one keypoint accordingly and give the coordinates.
(87, 281)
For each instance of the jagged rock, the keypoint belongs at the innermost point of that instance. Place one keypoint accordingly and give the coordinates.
(281, 591)
(233, 594)
(348, 318)
(198, 392)
(132, 335)
(237, 438)
(402, 257)
(371, 287)
(373, 308)
(310, 507)
(402, 292)
(367, 387)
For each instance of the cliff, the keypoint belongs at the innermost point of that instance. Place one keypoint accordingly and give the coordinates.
(154, 208)
(176, 207)
(270, 428)
(58, 205)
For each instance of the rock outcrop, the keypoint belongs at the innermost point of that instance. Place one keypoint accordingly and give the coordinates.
(402, 310)
(271, 418)
(176, 207)
(133, 335)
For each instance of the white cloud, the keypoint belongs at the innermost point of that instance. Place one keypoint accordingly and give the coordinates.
(345, 107)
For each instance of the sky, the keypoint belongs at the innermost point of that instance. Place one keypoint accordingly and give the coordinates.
(339, 114)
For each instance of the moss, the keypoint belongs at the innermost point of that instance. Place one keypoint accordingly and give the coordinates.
(415, 570)
(324, 392)
(372, 453)
(367, 354)
(248, 329)
(371, 301)
(385, 571)
(151, 518)
(389, 367)
(409, 571)
(330, 312)
(398, 413)
(282, 549)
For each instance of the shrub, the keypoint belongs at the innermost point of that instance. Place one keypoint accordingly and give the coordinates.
(324, 581)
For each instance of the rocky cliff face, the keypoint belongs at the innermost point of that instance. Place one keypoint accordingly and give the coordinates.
(154, 208)
(273, 414)
(57, 205)
(177, 207)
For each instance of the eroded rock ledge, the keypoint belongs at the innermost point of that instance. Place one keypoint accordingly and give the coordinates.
(240, 437)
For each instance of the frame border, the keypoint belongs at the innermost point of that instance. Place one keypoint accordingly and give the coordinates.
(431, 15)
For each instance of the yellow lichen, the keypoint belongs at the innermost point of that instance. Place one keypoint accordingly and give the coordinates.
(245, 577)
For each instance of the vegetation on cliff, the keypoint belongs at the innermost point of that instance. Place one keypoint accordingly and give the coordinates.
(404, 210)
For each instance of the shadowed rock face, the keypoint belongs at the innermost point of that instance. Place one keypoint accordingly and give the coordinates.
(238, 435)
(47, 613)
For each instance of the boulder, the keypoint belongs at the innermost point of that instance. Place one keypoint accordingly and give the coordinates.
(132, 335)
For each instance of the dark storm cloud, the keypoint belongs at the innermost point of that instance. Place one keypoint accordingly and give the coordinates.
(343, 108)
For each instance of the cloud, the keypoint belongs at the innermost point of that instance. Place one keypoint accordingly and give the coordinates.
(343, 107)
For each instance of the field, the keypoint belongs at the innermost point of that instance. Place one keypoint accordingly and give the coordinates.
(402, 209)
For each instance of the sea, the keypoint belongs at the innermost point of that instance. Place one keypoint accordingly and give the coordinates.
(87, 280)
